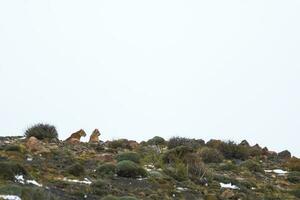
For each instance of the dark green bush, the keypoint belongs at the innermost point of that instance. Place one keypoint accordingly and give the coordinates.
(210, 155)
(181, 141)
(294, 164)
(214, 143)
(196, 168)
(156, 141)
(231, 150)
(120, 143)
(127, 198)
(252, 166)
(294, 177)
(76, 170)
(100, 187)
(176, 153)
(27, 193)
(110, 197)
(8, 170)
(42, 131)
(13, 147)
(229, 166)
(107, 169)
(132, 156)
(178, 171)
(127, 168)
(296, 193)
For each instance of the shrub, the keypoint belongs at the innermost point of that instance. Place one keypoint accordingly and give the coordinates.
(42, 131)
(294, 164)
(294, 177)
(296, 193)
(107, 169)
(76, 169)
(229, 166)
(214, 143)
(120, 143)
(231, 150)
(127, 198)
(252, 166)
(110, 197)
(176, 153)
(100, 187)
(156, 141)
(8, 170)
(127, 168)
(132, 156)
(210, 155)
(177, 170)
(13, 147)
(195, 166)
(181, 141)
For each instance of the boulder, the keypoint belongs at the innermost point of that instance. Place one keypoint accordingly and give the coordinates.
(36, 146)
(245, 143)
(284, 155)
(227, 194)
(133, 144)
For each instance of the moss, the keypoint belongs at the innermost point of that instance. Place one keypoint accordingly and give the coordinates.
(109, 197)
(294, 177)
(127, 198)
(252, 166)
(181, 141)
(127, 168)
(13, 147)
(132, 156)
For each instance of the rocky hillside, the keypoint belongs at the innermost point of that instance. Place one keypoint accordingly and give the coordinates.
(181, 168)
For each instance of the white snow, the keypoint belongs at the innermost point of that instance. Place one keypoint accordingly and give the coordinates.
(34, 183)
(20, 179)
(229, 185)
(29, 159)
(181, 189)
(85, 181)
(10, 197)
(277, 171)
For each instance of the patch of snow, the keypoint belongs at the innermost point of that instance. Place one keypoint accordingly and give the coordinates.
(140, 179)
(181, 189)
(277, 171)
(229, 185)
(20, 179)
(33, 182)
(10, 197)
(29, 159)
(85, 196)
(253, 188)
(85, 181)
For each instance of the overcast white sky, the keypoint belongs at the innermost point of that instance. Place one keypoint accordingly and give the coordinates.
(136, 69)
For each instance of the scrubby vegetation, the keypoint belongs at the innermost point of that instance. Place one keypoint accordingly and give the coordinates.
(42, 131)
(178, 169)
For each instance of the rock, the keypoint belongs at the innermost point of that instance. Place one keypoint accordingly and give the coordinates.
(245, 143)
(133, 144)
(284, 155)
(73, 141)
(106, 157)
(227, 194)
(36, 146)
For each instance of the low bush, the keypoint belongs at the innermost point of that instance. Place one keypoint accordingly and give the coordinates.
(230, 150)
(176, 153)
(252, 166)
(294, 164)
(214, 143)
(294, 177)
(196, 168)
(110, 197)
(156, 141)
(76, 170)
(296, 193)
(100, 187)
(127, 168)
(120, 143)
(42, 131)
(13, 147)
(107, 169)
(210, 155)
(177, 170)
(229, 166)
(181, 141)
(8, 170)
(132, 156)
(127, 198)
